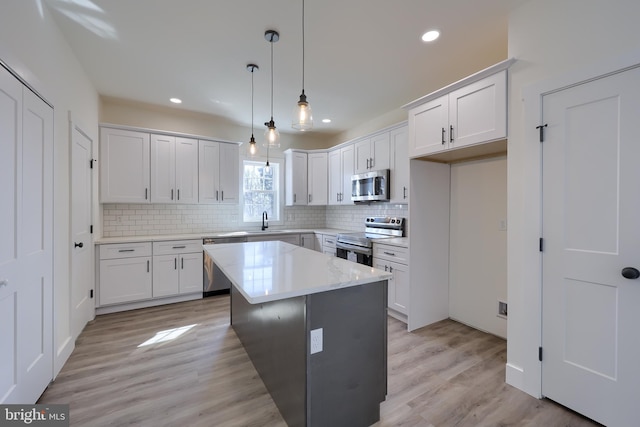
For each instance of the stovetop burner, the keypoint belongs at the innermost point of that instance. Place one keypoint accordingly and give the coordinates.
(375, 228)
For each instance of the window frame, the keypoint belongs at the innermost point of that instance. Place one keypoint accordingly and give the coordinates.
(280, 189)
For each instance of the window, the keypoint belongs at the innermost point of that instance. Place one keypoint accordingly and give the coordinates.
(260, 191)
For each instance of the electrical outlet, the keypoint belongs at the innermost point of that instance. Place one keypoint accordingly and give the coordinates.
(502, 225)
(316, 340)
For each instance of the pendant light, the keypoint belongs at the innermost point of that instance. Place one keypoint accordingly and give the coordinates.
(271, 134)
(302, 117)
(252, 141)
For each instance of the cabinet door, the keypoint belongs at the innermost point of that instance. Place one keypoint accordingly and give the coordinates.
(165, 275)
(296, 178)
(163, 169)
(399, 171)
(317, 178)
(308, 240)
(124, 166)
(208, 172)
(478, 112)
(348, 169)
(186, 170)
(429, 127)
(363, 155)
(190, 268)
(380, 155)
(229, 173)
(335, 177)
(317, 245)
(399, 292)
(125, 280)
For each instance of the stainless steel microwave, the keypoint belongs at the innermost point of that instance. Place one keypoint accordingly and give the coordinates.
(370, 186)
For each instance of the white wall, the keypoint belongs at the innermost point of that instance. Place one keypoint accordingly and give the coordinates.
(550, 39)
(478, 243)
(31, 44)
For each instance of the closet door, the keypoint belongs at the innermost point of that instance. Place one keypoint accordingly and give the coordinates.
(26, 246)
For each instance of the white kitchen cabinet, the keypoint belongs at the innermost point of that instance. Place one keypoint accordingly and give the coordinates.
(399, 170)
(218, 172)
(317, 245)
(372, 153)
(470, 112)
(317, 179)
(395, 259)
(124, 166)
(174, 169)
(177, 267)
(125, 273)
(329, 244)
(341, 168)
(296, 176)
(307, 240)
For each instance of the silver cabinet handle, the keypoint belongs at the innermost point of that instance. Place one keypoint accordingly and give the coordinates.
(330, 242)
(175, 263)
(222, 192)
(367, 163)
(371, 162)
(172, 194)
(147, 266)
(404, 192)
(450, 133)
(390, 269)
(178, 247)
(309, 198)
(126, 250)
(216, 194)
(294, 198)
(146, 193)
(389, 253)
(182, 263)
(178, 194)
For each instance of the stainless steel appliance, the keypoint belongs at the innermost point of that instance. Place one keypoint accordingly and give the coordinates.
(358, 247)
(370, 186)
(214, 280)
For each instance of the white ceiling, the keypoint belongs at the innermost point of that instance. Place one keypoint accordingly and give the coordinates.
(364, 58)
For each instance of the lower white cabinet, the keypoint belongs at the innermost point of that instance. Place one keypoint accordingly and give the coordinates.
(329, 244)
(394, 259)
(292, 238)
(125, 273)
(177, 267)
(307, 240)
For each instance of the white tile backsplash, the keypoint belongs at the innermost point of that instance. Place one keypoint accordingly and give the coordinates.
(150, 220)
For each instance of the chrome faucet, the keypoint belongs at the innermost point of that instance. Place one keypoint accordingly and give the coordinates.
(265, 222)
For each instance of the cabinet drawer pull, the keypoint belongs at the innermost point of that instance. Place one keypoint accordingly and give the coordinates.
(175, 263)
(147, 266)
(216, 194)
(222, 193)
(442, 136)
(146, 193)
(178, 194)
(390, 269)
(389, 253)
(309, 198)
(179, 247)
(172, 194)
(182, 263)
(126, 250)
(330, 242)
(450, 133)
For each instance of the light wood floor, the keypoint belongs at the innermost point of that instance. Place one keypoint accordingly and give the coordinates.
(445, 375)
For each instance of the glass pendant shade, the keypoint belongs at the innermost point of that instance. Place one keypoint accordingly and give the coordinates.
(302, 116)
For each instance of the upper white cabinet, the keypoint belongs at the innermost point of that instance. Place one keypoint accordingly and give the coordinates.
(124, 166)
(399, 170)
(467, 113)
(372, 153)
(295, 163)
(174, 169)
(218, 172)
(317, 179)
(341, 168)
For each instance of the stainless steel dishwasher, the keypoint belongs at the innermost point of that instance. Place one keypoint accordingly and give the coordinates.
(214, 281)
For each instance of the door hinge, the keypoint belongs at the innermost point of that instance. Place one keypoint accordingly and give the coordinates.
(541, 129)
(91, 293)
(541, 244)
(540, 354)
(91, 229)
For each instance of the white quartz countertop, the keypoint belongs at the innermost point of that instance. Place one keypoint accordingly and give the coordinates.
(274, 270)
(214, 234)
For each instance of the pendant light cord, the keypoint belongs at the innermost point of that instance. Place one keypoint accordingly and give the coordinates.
(272, 77)
(302, 46)
(252, 70)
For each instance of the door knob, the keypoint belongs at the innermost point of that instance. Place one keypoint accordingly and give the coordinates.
(630, 273)
(79, 245)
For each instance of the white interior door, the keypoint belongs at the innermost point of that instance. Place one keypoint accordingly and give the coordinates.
(82, 304)
(591, 228)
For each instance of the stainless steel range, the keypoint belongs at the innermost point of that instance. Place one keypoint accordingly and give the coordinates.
(358, 247)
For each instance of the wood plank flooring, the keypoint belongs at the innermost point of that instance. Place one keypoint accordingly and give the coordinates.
(445, 375)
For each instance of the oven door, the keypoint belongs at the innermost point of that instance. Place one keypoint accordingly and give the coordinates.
(354, 253)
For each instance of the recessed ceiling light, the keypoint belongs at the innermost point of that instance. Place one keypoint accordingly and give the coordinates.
(176, 100)
(430, 36)
(326, 120)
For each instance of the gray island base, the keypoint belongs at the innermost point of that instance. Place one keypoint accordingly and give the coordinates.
(344, 383)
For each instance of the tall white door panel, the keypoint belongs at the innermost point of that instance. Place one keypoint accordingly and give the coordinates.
(82, 248)
(186, 170)
(209, 174)
(591, 229)
(163, 169)
(10, 225)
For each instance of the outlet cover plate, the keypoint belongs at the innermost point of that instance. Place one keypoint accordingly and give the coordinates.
(316, 341)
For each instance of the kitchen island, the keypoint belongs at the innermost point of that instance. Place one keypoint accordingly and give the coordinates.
(315, 328)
